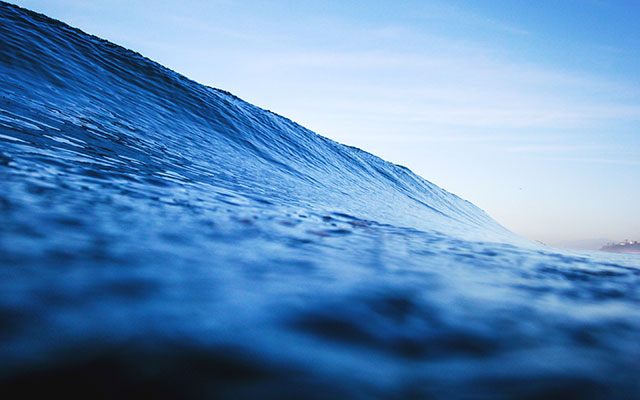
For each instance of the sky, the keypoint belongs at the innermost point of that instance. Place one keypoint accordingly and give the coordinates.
(528, 109)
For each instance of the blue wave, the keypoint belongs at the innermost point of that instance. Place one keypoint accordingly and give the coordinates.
(166, 238)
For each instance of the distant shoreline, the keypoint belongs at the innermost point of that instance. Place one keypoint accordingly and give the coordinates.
(626, 247)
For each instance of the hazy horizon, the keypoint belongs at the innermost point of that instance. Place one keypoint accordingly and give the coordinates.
(529, 111)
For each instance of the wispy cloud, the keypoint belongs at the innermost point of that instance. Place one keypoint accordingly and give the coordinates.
(555, 148)
(589, 160)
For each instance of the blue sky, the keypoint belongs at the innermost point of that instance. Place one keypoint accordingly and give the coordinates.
(530, 110)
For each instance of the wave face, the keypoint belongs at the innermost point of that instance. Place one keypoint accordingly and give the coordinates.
(159, 237)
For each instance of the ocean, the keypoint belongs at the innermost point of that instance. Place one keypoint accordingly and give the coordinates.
(161, 238)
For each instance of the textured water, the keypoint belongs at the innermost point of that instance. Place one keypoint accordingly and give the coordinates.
(162, 238)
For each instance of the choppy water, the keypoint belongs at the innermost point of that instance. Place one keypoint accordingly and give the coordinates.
(159, 237)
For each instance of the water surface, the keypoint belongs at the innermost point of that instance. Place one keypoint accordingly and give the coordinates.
(162, 238)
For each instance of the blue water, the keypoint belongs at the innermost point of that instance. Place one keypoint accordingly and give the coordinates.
(162, 238)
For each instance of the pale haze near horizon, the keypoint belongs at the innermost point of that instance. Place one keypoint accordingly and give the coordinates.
(530, 110)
